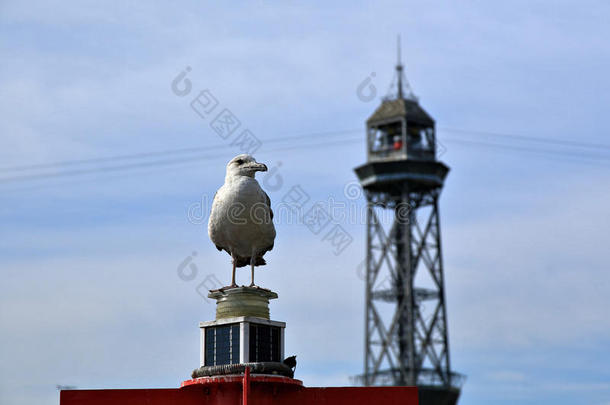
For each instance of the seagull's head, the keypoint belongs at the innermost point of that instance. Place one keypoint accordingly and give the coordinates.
(244, 165)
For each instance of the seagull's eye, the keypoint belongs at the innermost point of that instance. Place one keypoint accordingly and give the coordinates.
(239, 161)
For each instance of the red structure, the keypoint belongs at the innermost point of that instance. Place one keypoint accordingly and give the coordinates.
(244, 390)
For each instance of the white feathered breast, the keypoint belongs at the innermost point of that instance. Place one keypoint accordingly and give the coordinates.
(240, 221)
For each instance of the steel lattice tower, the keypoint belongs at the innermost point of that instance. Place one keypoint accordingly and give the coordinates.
(406, 338)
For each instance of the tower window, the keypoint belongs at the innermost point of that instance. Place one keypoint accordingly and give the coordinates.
(420, 139)
(386, 141)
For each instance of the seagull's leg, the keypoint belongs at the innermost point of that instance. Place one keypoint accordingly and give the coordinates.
(233, 273)
(252, 261)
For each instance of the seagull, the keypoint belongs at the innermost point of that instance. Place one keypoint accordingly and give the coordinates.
(241, 218)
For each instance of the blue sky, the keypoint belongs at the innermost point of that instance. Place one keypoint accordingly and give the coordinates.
(90, 294)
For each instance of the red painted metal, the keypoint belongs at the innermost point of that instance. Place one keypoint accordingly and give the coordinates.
(241, 390)
(246, 385)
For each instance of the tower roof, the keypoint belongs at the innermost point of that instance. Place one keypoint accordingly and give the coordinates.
(403, 103)
(400, 108)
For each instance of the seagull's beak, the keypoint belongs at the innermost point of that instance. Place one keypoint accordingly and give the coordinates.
(259, 167)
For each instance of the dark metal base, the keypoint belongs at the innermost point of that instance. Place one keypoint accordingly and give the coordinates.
(438, 396)
(268, 367)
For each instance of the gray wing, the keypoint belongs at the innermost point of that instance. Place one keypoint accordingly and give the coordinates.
(218, 247)
(268, 204)
(270, 215)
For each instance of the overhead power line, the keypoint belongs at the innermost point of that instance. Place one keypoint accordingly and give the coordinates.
(162, 162)
(530, 150)
(180, 156)
(166, 152)
(528, 138)
(285, 138)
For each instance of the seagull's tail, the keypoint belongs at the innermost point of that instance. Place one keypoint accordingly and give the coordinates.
(245, 261)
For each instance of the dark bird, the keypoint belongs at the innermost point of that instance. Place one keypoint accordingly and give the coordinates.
(291, 362)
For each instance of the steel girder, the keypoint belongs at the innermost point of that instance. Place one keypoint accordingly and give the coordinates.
(409, 345)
